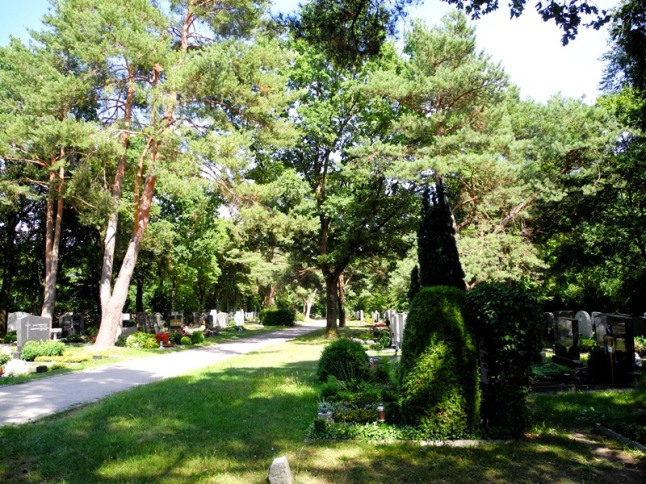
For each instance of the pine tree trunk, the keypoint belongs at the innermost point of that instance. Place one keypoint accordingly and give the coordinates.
(53, 225)
(270, 295)
(113, 302)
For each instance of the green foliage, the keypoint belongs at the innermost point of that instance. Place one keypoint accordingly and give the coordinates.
(10, 337)
(175, 337)
(640, 345)
(439, 374)
(33, 349)
(141, 340)
(185, 341)
(197, 337)
(506, 320)
(277, 316)
(586, 344)
(368, 432)
(547, 371)
(345, 360)
(437, 251)
(4, 359)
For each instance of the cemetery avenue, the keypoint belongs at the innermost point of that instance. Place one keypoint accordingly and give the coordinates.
(47, 396)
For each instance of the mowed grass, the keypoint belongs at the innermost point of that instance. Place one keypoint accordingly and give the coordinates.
(227, 423)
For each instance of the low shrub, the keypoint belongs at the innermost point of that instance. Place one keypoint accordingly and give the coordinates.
(142, 340)
(197, 337)
(175, 337)
(66, 358)
(185, 341)
(33, 349)
(4, 359)
(345, 360)
(10, 338)
(277, 317)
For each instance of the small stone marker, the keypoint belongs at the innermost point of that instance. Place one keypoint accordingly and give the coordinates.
(585, 324)
(279, 472)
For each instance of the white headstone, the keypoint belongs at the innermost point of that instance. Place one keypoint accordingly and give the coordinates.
(394, 331)
(585, 324)
(239, 318)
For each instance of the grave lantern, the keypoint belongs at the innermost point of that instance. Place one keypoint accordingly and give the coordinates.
(381, 412)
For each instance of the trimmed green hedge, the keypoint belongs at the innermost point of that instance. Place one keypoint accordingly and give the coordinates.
(439, 371)
(277, 317)
(506, 319)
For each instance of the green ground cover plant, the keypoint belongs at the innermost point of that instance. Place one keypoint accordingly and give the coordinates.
(227, 423)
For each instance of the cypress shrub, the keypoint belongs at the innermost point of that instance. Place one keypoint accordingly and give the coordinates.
(439, 373)
(506, 319)
(345, 360)
(276, 316)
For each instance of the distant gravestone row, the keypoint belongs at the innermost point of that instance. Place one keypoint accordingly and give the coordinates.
(613, 332)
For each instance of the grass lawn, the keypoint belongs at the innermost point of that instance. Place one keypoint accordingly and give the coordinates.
(228, 422)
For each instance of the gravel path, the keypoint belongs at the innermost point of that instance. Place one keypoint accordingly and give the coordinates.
(38, 398)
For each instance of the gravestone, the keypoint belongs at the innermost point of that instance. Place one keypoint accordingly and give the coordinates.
(12, 320)
(175, 320)
(566, 342)
(585, 324)
(599, 324)
(394, 332)
(376, 316)
(548, 327)
(222, 320)
(32, 328)
(239, 318)
(621, 333)
(639, 326)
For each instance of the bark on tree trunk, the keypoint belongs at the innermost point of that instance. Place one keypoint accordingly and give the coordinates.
(307, 304)
(270, 295)
(331, 303)
(341, 298)
(53, 224)
(112, 302)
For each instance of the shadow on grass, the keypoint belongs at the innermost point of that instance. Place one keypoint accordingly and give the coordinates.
(227, 424)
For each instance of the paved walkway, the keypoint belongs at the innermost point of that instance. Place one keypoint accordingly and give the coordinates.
(39, 398)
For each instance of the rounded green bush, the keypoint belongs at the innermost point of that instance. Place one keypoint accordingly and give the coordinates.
(277, 317)
(185, 341)
(197, 337)
(345, 360)
(142, 340)
(4, 359)
(439, 372)
(32, 349)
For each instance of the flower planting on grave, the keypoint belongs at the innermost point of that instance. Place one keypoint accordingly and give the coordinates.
(142, 340)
